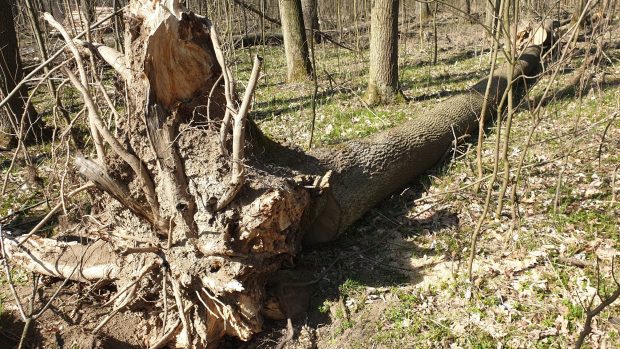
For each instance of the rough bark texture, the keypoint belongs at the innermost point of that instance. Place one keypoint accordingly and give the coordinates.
(11, 73)
(298, 63)
(383, 73)
(366, 171)
(217, 262)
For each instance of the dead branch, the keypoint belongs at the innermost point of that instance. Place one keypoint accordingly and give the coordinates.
(591, 313)
(41, 66)
(53, 211)
(139, 168)
(97, 174)
(58, 258)
(92, 111)
(229, 88)
(237, 173)
(98, 128)
(111, 56)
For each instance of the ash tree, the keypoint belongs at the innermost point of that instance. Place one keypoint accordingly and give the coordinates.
(383, 68)
(202, 208)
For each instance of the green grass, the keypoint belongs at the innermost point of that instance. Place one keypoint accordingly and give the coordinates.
(284, 110)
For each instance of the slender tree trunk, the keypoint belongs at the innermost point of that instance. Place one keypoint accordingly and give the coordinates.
(10, 74)
(425, 10)
(383, 72)
(491, 14)
(88, 8)
(298, 63)
(311, 19)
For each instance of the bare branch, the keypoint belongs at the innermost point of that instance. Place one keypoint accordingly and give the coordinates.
(238, 175)
(111, 56)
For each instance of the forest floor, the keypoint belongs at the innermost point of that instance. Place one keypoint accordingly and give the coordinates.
(398, 277)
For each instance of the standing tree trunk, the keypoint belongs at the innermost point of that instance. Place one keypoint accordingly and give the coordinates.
(491, 15)
(383, 72)
(181, 219)
(467, 7)
(12, 118)
(311, 19)
(298, 63)
(88, 9)
(425, 10)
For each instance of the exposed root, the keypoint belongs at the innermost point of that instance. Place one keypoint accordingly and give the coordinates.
(186, 333)
(130, 296)
(167, 337)
(131, 285)
(290, 332)
(240, 116)
(95, 261)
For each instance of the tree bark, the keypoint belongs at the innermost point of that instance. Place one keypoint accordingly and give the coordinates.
(298, 63)
(88, 9)
(425, 10)
(311, 19)
(491, 15)
(10, 73)
(217, 259)
(383, 70)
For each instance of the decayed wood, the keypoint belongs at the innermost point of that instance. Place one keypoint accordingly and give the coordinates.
(162, 134)
(97, 174)
(71, 260)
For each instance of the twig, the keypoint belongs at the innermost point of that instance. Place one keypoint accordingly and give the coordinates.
(141, 274)
(10, 279)
(25, 80)
(591, 313)
(92, 111)
(53, 212)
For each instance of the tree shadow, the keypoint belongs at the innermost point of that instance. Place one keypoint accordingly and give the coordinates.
(571, 91)
(444, 79)
(374, 255)
(264, 111)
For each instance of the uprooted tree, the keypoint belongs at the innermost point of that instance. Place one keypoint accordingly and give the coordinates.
(204, 203)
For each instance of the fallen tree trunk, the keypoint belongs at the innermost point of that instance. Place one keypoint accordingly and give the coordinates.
(209, 207)
(253, 39)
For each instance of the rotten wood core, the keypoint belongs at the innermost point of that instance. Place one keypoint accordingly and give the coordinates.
(209, 207)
